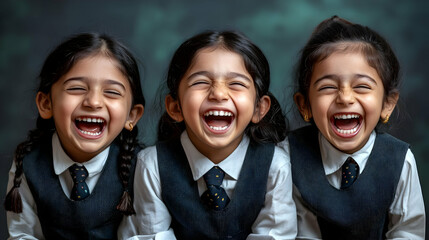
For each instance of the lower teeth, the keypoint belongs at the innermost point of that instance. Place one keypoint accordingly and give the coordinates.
(350, 131)
(90, 133)
(219, 128)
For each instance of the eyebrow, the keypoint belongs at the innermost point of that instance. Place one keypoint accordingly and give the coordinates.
(107, 81)
(228, 75)
(337, 78)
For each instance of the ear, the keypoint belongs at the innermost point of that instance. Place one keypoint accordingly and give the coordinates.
(135, 114)
(389, 105)
(173, 108)
(44, 105)
(262, 108)
(302, 105)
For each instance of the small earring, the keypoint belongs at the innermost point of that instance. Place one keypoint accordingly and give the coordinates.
(386, 120)
(306, 118)
(130, 124)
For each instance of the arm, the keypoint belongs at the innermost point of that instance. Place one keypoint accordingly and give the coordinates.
(152, 219)
(277, 219)
(407, 212)
(23, 225)
(308, 227)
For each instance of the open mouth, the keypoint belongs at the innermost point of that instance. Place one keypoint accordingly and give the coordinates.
(218, 120)
(92, 126)
(346, 124)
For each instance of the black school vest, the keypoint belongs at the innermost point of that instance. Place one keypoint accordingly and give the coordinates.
(360, 211)
(95, 217)
(191, 219)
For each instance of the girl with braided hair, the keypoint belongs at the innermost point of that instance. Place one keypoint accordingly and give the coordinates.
(89, 102)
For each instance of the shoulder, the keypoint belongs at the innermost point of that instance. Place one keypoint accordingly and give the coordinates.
(147, 159)
(281, 160)
(386, 137)
(284, 145)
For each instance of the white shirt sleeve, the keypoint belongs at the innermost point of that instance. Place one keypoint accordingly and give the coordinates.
(407, 212)
(277, 219)
(23, 225)
(152, 219)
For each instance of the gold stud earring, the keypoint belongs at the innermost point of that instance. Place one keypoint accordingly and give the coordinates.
(386, 120)
(130, 124)
(306, 118)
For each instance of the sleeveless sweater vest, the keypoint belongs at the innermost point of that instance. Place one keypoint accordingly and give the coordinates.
(360, 211)
(191, 219)
(95, 217)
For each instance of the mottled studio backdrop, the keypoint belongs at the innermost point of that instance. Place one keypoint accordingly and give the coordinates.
(30, 29)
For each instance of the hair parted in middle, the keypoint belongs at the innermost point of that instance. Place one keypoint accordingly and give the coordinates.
(272, 128)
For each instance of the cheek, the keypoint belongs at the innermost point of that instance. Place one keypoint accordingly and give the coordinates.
(245, 102)
(119, 110)
(63, 107)
(319, 107)
(191, 102)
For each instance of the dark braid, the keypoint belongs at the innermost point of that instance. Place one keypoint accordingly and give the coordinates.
(42, 133)
(128, 143)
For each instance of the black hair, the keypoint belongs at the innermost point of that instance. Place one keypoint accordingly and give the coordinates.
(272, 128)
(58, 63)
(335, 32)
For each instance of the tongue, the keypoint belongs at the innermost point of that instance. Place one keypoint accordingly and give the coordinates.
(346, 124)
(218, 121)
(89, 127)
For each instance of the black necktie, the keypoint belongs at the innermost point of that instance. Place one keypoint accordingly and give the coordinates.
(80, 189)
(215, 196)
(350, 171)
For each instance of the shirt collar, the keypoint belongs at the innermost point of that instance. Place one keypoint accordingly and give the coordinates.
(200, 164)
(62, 161)
(333, 159)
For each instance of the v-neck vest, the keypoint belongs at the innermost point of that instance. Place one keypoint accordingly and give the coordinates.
(360, 211)
(191, 218)
(95, 217)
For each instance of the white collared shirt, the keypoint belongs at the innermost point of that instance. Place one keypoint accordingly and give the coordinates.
(406, 213)
(277, 219)
(26, 224)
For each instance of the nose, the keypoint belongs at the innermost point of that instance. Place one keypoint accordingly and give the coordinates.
(93, 100)
(345, 96)
(219, 92)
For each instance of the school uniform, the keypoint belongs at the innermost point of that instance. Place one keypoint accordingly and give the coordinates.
(48, 212)
(385, 201)
(159, 217)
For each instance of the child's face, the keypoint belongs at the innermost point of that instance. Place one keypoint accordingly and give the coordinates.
(346, 98)
(217, 100)
(90, 105)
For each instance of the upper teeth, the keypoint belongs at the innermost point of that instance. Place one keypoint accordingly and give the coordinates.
(94, 120)
(218, 113)
(346, 116)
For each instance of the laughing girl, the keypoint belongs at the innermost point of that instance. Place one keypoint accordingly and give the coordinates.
(351, 181)
(216, 174)
(72, 178)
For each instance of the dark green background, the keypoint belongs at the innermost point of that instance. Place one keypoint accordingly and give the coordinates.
(29, 30)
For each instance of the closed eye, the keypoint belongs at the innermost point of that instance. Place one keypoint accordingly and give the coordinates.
(76, 90)
(113, 93)
(327, 87)
(238, 84)
(363, 86)
(199, 83)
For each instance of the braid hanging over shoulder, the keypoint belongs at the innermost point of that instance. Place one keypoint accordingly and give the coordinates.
(128, 143)
(13, 201)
